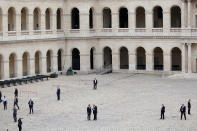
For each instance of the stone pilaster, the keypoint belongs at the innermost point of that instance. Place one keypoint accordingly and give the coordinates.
(132, 61)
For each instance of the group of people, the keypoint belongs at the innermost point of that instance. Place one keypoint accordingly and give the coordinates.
(4, 100)
(91, 110)
(182, 110)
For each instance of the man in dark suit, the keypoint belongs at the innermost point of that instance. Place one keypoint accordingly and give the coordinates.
(16, 102)
(189, 107)
(20, 124)
(15, 114)
(89, 111)
(31, 105)
(16, 92)
(95, 112)
(95, 82)
(58, 93)
(183, 110)
(162, 111)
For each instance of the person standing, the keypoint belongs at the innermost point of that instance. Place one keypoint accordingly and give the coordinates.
(5, 103)
(58, 93)
(16, 92)
(95, 112)
(162, 112)
(0, 97)
(20, 124)
(183, 110)
(15, 114)
(16, 102)
(31, 104)
(189, 107)
(95, 82)
(89, 111)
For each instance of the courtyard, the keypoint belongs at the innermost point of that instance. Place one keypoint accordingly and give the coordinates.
(125, 102)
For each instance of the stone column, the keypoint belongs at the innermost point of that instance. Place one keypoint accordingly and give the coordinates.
(149, 21)
(183, 10)
(167, 62)
(67, 22)
(19, 68)
(166, 21)
(43, 65)
(132, 61)
(30, 24)
(6, 70)
(189, 13)
(115, 61)
(183, 57)
(189, 58)
(84, 62)
(98, 60)
(5, 25)
(115, 21)
(84, 22)
(42, 23)
(68, 61)
(18, 25)
(32, 66)
(149, 61)
(132, 20)
(54, 63)
(97, 19)
(54, 23)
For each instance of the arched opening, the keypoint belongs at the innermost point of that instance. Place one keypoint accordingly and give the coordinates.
(141, 58)
(1, 22)
(91, 26)
(92, 51)
(59, 18)
(75, 59)
(26, 64)
(11, 19)
(75, 18)
(38, 62)
(49, 61)
(48, 19)
(107, 57)
(175, 17)
(176, 59)
(107, 18)
(37, 19)
(124, 58)
(24, 19)
(158, 59)
(158, 17)
(12, 65)
(123, 18)
(140, 18)
(1, 67)
(59, 59)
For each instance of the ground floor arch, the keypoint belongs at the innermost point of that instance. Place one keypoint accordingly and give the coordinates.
(107, 54)
(59, 59)
(38, 61)
(124, 58)
(92, 53)
(25, 64)
(158, 58)
(141, 58)
(176, 60)
(75, 59)
(12, 65)
(49, 61)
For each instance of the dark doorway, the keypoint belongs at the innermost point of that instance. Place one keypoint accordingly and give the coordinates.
(75, 59)
(158, 59)
(124, 58)
(91, 18)
(123, 18)
(107, 57)
(141, 58)
(59, 55)
(176, 59)
(75, 18)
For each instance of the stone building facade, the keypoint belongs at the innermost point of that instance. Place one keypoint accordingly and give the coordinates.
(43, 36)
